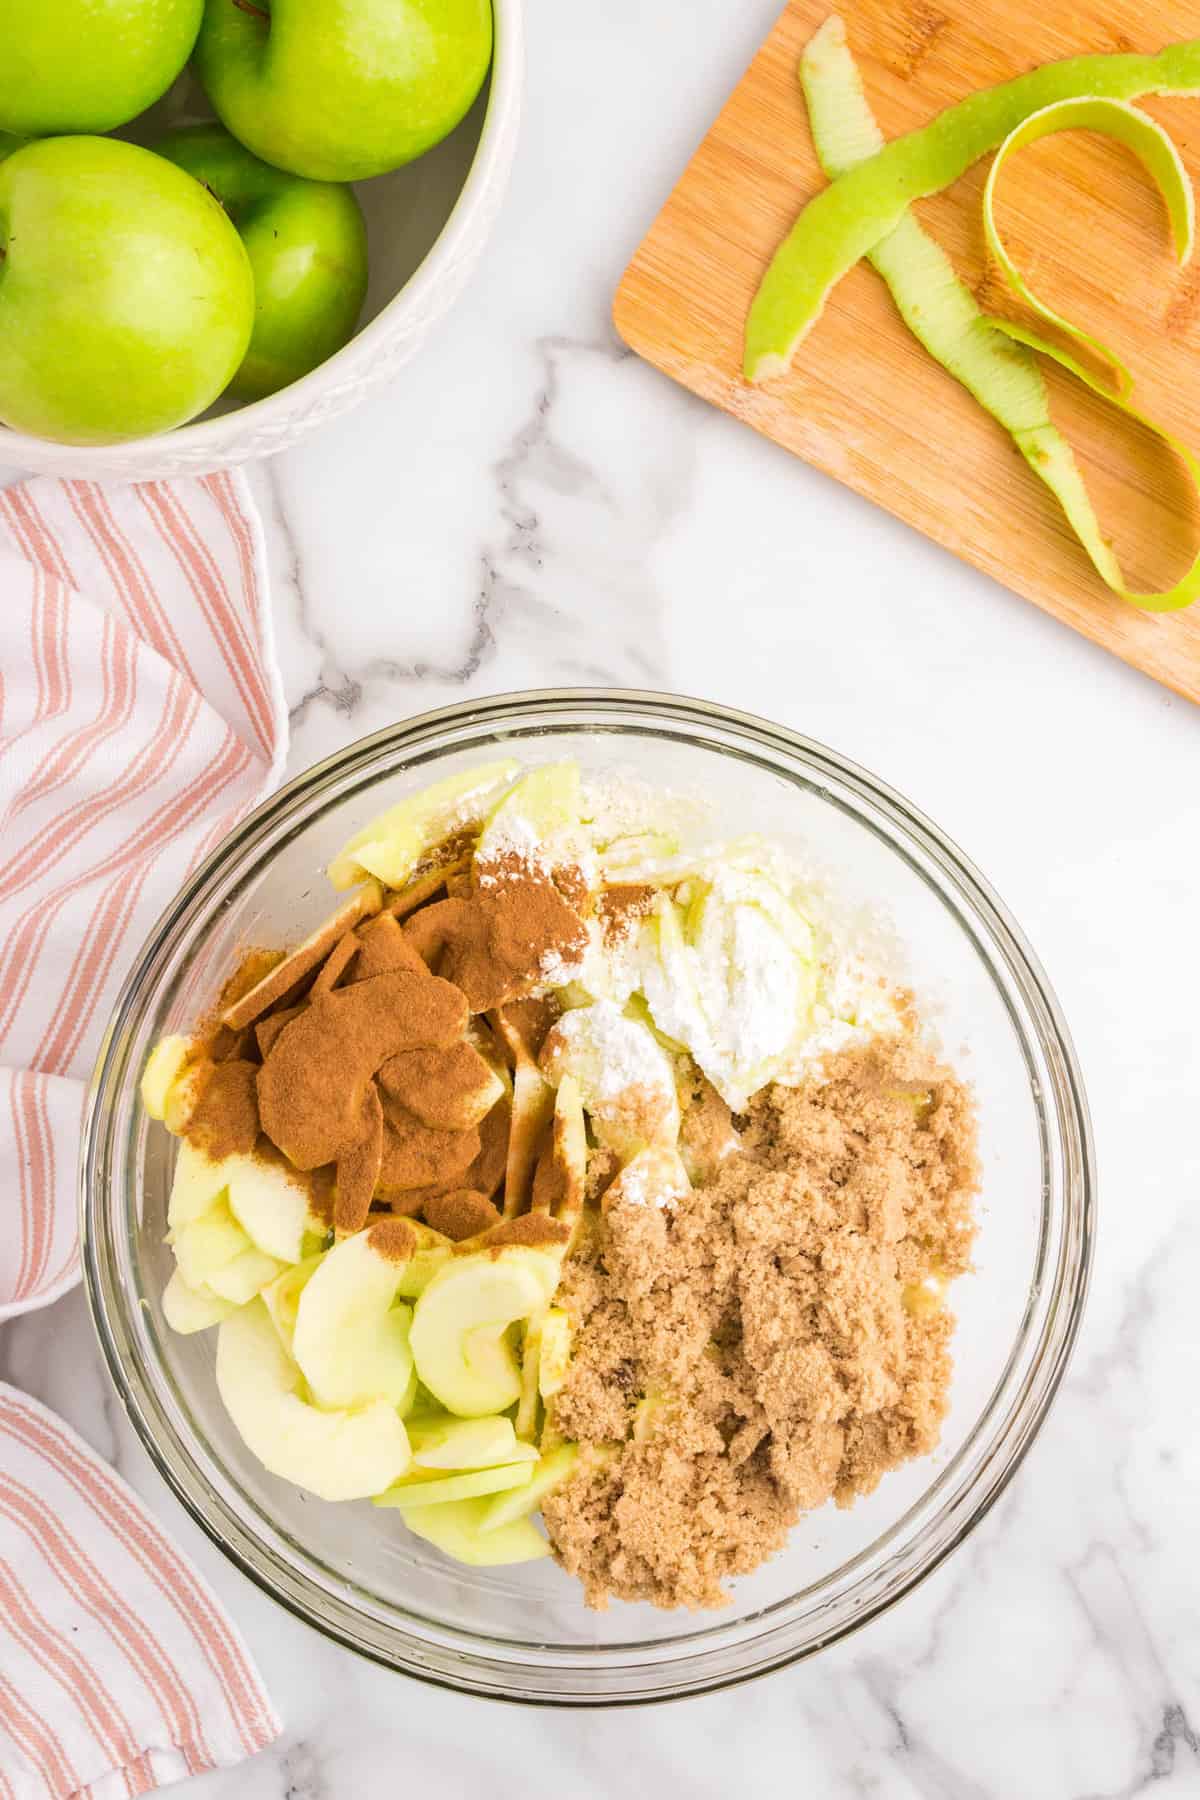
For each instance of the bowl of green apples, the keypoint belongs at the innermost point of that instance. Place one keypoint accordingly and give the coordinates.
(221, 221)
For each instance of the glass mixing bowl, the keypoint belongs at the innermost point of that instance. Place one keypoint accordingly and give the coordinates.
(525, 1634)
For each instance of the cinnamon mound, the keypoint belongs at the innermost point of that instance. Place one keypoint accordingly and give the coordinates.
(758, 1350)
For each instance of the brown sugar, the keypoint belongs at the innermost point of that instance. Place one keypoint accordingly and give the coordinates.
(748, 1355)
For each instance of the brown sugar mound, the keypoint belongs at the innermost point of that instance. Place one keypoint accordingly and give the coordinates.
(771, 1342)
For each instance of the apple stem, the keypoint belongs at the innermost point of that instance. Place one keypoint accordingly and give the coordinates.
(246, 6)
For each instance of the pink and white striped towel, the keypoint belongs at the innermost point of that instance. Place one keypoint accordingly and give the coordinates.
(140, 716)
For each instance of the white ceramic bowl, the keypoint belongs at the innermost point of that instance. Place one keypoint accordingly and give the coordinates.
(427, 224)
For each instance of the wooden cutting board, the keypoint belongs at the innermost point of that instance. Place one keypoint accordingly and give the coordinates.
(863, 401)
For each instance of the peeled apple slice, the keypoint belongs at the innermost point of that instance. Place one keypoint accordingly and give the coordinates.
(244, 1277)
(391, 845)
(457, 1531)
(341, 1455)
(180, 1098)
(270, 1203)
(539, 808)
(209, 1243)
(433, 1250)
(553, 1469)
(281, 1297)
(555, 1352)
(163, 1067)
(460, 1330)
(626, 1080)
(189, 1309)
(196, 1185)
(450, 1443)
(993, 359)
(443, 1490)
(848, 219)
(350, 1340)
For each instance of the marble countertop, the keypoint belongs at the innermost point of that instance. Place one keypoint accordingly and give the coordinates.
(529, 505)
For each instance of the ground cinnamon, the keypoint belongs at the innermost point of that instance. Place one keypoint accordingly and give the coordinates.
(416, 1156)
(310, 1088)
(502, 940)
(224, 1121)
(461, 1213)
(619, 908)
(358, 1168)
(301, 961)
(450, 1090)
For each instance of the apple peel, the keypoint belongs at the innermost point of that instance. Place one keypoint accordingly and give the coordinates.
(847, 219)
(993, 358)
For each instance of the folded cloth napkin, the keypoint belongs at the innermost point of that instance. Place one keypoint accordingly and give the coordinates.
(140, 716)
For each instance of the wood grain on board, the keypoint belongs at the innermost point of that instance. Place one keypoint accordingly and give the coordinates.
(863, 401)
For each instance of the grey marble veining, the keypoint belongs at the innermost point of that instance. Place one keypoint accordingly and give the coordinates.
(528, 505)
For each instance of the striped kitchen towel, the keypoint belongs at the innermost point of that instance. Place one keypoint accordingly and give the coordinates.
(140, 716)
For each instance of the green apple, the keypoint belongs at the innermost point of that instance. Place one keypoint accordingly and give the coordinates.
(342, 89)
(307, 245)
(88, 65)
(126, 296)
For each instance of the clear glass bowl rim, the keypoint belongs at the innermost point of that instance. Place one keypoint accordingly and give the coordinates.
(872, 1582)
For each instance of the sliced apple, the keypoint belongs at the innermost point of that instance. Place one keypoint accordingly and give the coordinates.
(432, 1252)
(208, 1243)
(183, 1095)
(164, 1065)
(525, 1423)
(535, 816)
(339, 1455)
(554, 1352)
(303, 959)
(196, 1183)
(444, 1442)
(450, 1090)
(188, 1309)
(422, 1490)
(456, 1530)
(639, 1107)
(282, 1296)
(244, 1277)
(350, 1340)
(460, 1331)
(392, 844)
(270, 1201)
(553, 1469)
